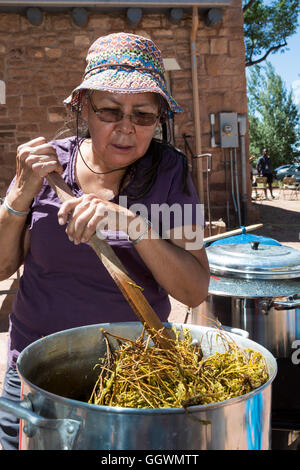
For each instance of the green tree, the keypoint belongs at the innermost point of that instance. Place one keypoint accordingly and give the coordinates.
(274, 119)
(267, 26)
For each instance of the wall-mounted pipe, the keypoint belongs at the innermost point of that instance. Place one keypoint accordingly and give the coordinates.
(236, 174)
(242, 130)
(198, 161)
(2, 92)
(208, 171)
(232, 181)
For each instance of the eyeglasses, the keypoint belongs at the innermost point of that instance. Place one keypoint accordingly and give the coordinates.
(116, 115)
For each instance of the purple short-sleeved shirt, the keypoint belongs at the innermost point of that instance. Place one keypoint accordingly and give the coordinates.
(65, 285)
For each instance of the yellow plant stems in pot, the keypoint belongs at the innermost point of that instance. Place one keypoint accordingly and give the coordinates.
(140, 375)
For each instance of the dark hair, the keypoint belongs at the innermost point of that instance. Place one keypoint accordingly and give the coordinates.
(155, 151)
(158, 146)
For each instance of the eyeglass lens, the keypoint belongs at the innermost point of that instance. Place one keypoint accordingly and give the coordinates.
(115, 115)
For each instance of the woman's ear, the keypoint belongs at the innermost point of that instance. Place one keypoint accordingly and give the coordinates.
(163, 118)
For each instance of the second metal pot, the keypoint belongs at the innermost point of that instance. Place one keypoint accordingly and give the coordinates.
(256, 288)
(267, 310)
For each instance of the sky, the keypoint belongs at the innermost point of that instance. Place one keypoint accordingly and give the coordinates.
(287, 65)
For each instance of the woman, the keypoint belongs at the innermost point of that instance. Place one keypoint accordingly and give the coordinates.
(114, 169)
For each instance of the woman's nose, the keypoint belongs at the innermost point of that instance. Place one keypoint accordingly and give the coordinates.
(125, 124)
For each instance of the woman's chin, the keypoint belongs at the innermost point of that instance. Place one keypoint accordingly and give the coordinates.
(120, 157)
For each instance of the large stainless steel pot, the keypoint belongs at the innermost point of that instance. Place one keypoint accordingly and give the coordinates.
(58, 375)
(256, 287)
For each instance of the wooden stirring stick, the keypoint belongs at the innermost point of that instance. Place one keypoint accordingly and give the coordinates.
(127, 286)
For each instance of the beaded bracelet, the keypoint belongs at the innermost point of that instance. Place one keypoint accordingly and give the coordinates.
(13, 211)
(147, 230)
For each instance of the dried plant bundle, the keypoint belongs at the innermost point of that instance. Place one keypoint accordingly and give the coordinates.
(140, 375)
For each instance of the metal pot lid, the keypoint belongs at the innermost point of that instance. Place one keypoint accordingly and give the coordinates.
(254, 261)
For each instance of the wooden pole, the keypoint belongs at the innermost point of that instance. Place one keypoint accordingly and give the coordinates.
(231, 233)
(197, 161)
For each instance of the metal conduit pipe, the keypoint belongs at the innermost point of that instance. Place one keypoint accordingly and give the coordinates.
(242, 132)
(232, 181)
(237, 187)
(197, 161)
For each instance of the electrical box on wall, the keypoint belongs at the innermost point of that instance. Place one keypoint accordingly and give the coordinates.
(228, 130)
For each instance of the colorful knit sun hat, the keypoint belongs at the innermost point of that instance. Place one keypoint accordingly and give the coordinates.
(124, 63)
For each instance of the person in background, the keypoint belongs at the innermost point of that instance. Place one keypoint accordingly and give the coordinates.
(121, 101)
(264, 168)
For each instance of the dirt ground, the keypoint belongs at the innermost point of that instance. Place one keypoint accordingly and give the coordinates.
(280, 218)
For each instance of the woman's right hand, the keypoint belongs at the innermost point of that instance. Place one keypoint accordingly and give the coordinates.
(35, 160)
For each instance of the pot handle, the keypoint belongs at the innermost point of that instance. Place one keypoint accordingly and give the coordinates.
(291, 303)
(66, 428)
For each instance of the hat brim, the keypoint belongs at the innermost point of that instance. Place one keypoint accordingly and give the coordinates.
(121, 81)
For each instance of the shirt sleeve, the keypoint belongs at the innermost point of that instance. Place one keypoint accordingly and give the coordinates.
(182, 212)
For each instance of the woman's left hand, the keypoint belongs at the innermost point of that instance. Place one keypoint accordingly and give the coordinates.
(89, 213)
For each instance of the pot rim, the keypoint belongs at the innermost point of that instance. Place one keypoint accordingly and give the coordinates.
(146, 411)
(253, 274)
(226, 294)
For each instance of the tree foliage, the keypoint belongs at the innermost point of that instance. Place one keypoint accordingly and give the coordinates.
(274, 119)
(267, 26)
